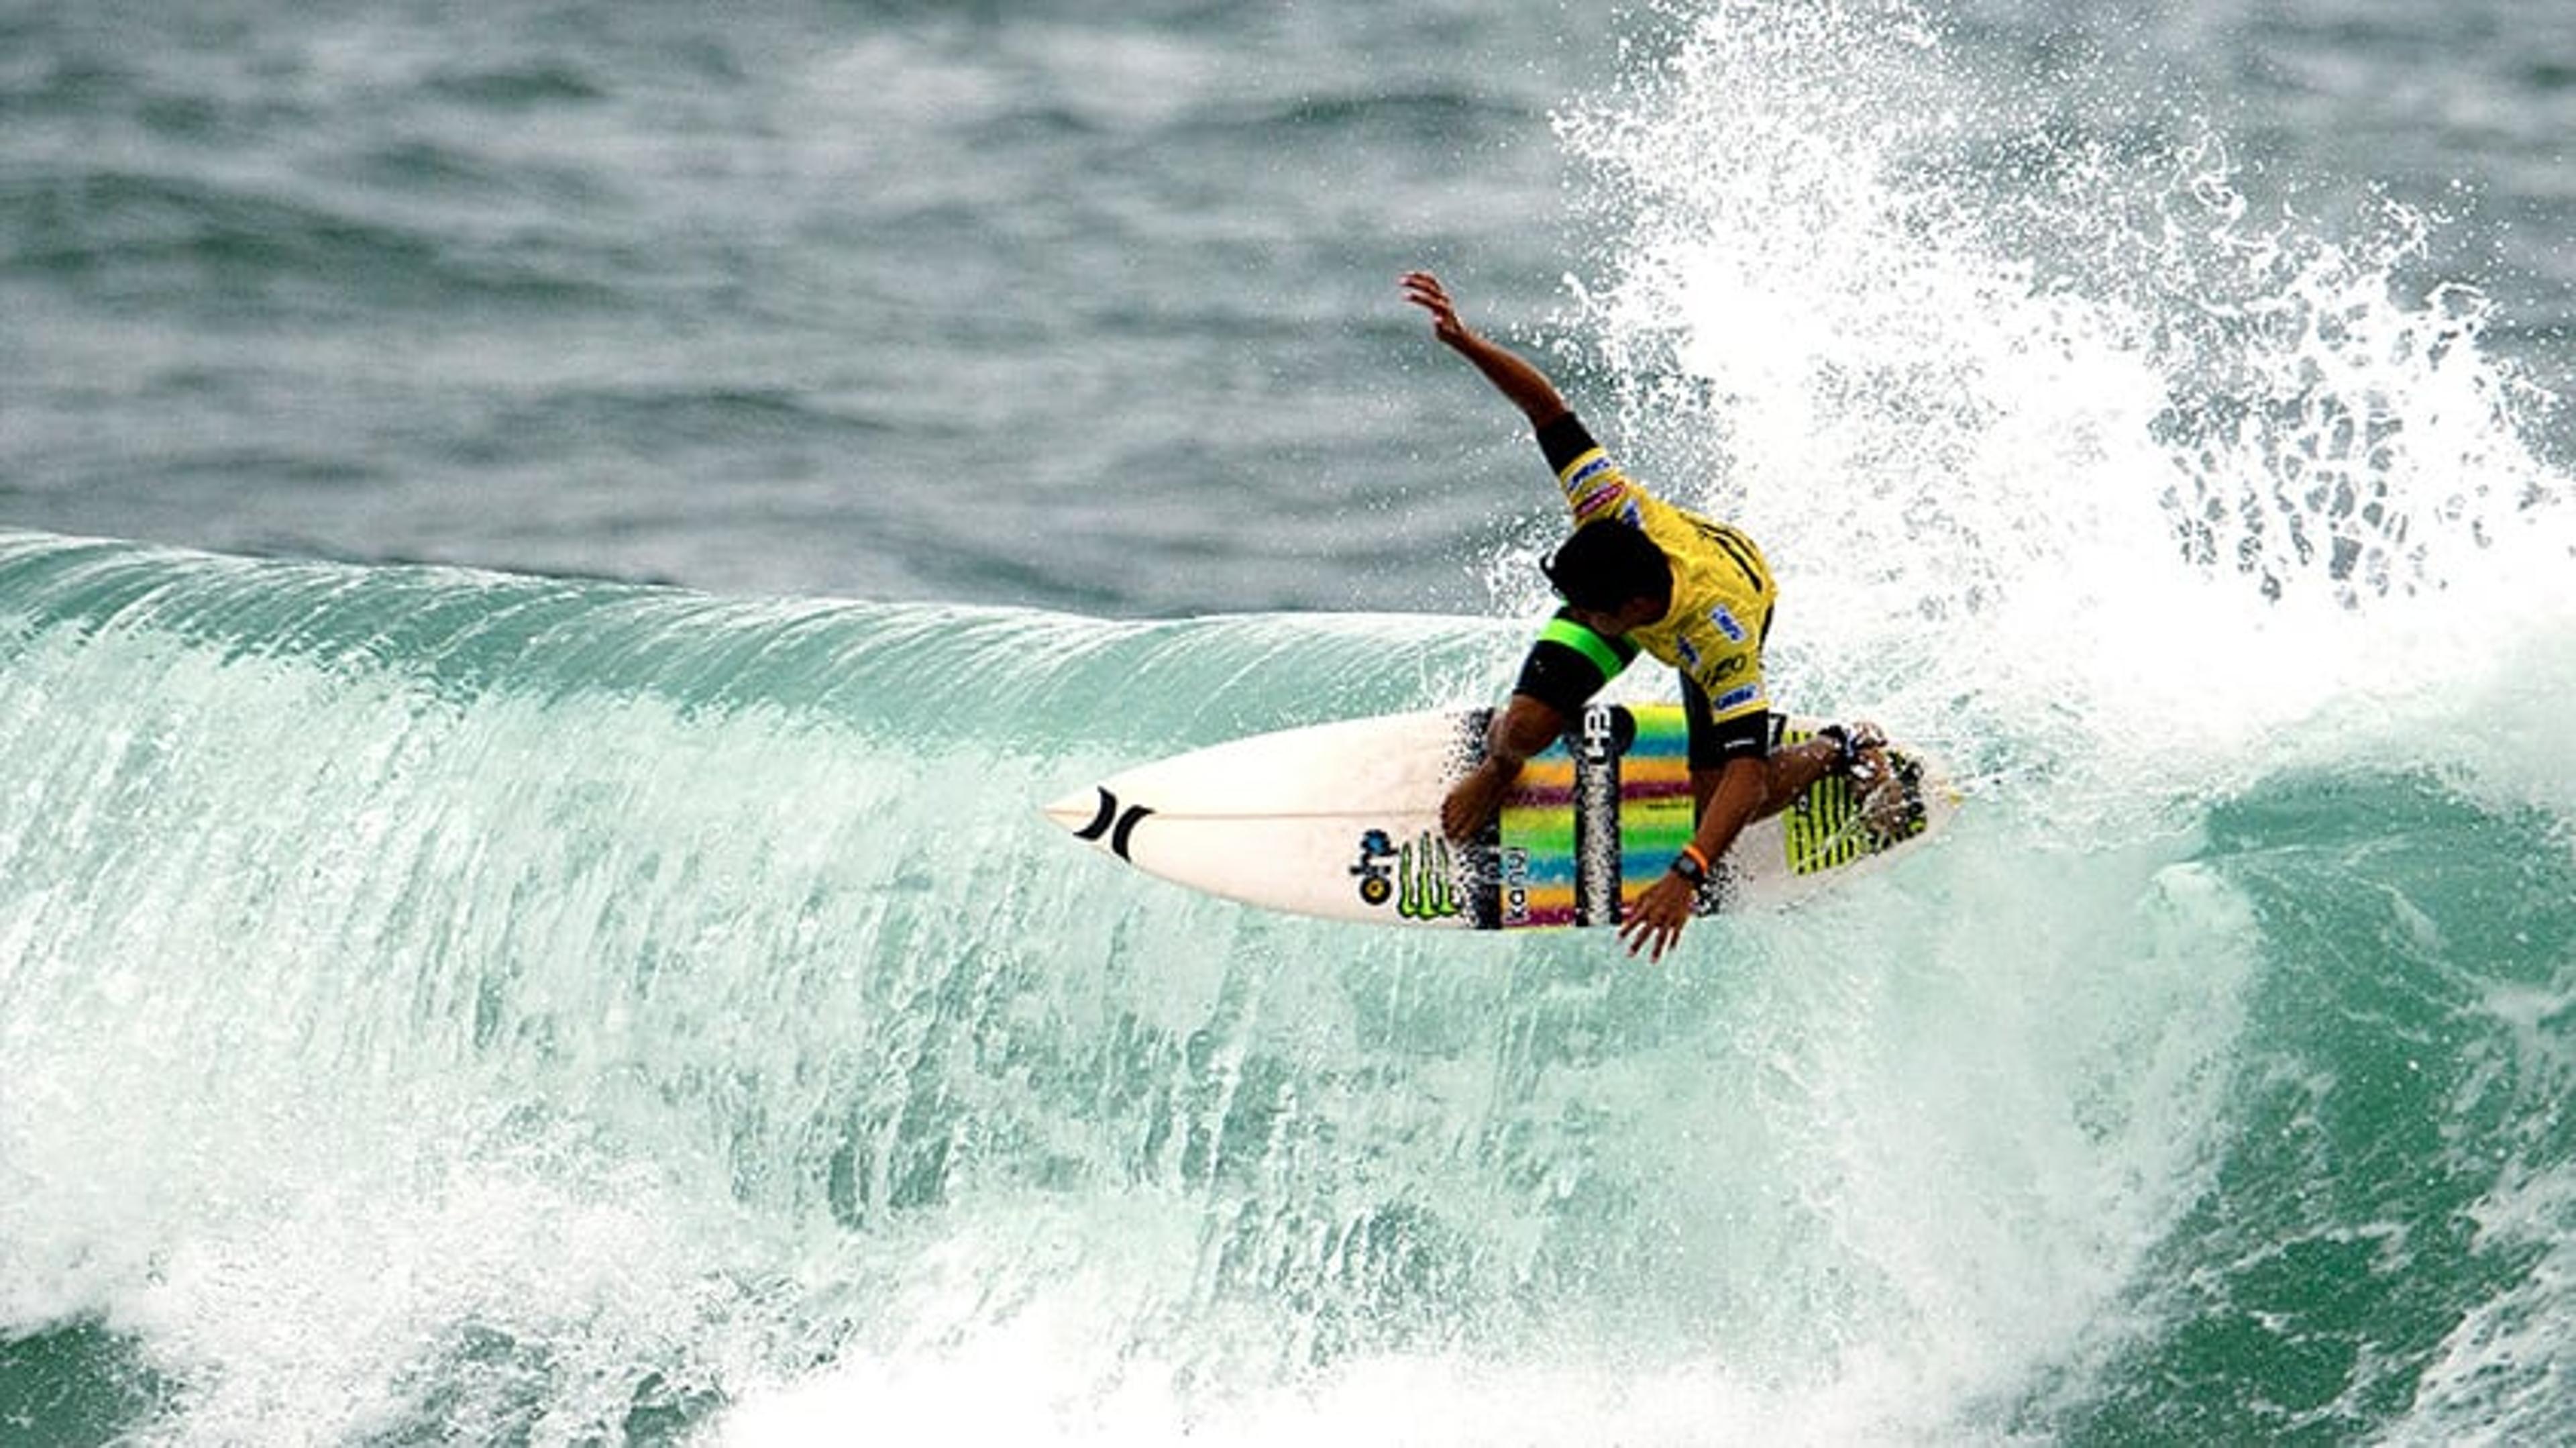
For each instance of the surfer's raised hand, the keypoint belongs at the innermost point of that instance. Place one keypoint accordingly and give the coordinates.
(1424, 290)
(1511, 373)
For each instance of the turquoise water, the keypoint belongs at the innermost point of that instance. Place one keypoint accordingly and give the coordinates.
(551, 558)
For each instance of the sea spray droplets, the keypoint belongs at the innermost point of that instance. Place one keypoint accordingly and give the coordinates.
(2040, 415)
(1821, 341)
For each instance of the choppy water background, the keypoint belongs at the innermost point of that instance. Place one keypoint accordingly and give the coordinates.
(552, 553)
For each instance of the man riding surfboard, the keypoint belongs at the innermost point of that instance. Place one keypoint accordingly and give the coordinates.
(1640, 575)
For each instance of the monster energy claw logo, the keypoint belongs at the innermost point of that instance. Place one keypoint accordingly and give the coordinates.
(1428, 886)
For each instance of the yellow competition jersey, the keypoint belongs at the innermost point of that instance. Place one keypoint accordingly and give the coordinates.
(1722, 590)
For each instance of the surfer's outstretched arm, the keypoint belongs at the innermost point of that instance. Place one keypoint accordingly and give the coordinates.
(1511, 373)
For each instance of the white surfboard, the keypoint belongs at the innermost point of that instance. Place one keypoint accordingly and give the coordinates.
(1342, 821)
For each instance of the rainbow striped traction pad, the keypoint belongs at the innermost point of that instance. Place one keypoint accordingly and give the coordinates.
(1595, 820)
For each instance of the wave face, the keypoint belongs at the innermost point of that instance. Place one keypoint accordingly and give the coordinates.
(451, 1003)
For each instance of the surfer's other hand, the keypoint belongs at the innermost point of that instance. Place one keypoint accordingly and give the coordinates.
(1657, 918)
(1474, 802)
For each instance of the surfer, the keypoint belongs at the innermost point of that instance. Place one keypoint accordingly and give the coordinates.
(1640, 575)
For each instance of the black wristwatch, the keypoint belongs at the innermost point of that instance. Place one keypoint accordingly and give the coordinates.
(1691, 866)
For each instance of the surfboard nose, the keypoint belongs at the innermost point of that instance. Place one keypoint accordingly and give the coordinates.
(1101, 818)
(1080, 809)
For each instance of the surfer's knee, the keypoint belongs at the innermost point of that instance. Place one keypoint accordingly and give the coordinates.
(1860, 750)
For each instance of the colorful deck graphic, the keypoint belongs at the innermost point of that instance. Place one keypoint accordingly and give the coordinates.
(1596, 820)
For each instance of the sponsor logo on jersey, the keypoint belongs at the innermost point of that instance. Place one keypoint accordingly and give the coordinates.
(1593, 501)
(1736, 699)
(1726, 624)
(1689, 654)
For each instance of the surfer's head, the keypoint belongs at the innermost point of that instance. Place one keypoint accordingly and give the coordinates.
(1612, 572)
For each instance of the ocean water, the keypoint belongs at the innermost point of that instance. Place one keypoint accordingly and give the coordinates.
(551, 553)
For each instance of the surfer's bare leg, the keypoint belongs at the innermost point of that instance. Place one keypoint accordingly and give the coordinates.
(1793, 770)
(1788, 774)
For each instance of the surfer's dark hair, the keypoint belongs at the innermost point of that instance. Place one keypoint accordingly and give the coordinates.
(1608, 563)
